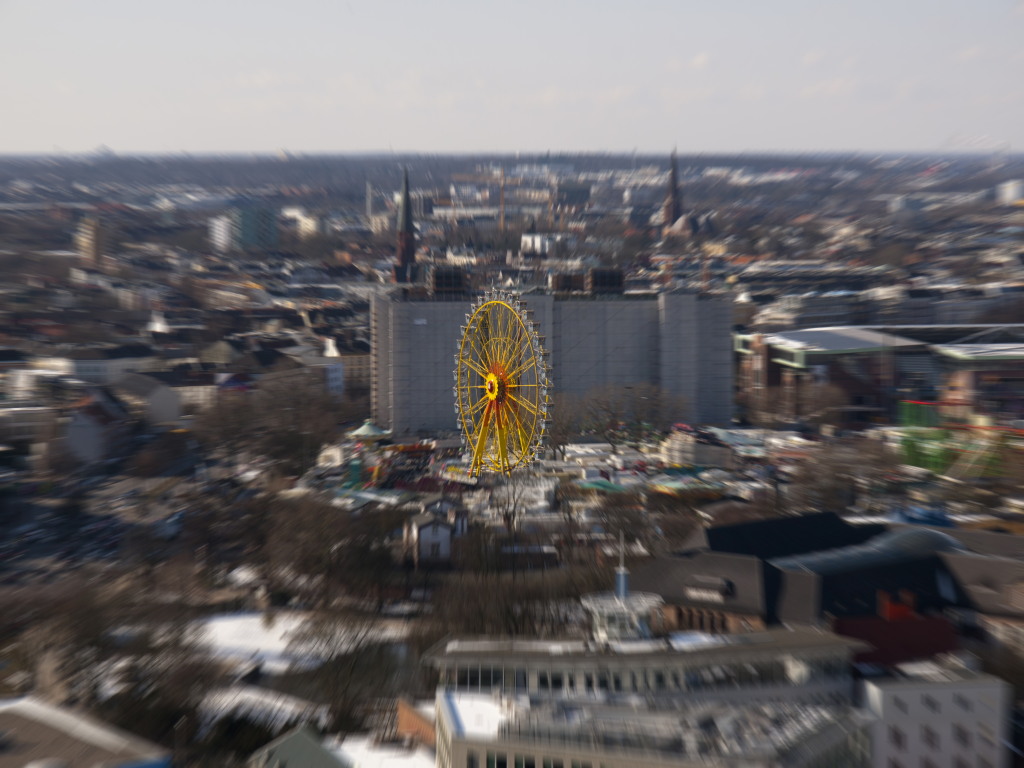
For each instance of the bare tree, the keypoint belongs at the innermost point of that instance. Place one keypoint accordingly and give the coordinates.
(508, 497)
(534, 604)
(355, 663)
(631, 414)
(822, 403)
(842, 470)
(286, 419)
(763, 406)
(304, 548)
(567, 422)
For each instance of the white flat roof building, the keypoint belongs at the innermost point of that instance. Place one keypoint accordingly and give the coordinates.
(481, 731)
(939, 715)
(793, 665)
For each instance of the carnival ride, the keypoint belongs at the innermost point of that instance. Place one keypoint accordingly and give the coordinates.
(937, 438)
(501, 385)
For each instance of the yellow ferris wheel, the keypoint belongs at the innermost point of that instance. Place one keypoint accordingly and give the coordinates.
(501, 385)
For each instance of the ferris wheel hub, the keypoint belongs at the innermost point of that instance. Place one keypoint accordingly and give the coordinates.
(493, 386)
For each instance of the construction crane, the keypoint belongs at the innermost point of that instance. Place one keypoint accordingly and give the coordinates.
(489, 179)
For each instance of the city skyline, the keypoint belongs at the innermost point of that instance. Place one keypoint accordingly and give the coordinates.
(455, 76)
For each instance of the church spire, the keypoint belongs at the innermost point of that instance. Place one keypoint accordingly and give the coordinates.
(405, 248)
(673, 200)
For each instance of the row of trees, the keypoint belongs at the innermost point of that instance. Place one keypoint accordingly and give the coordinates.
(621, 416)
(286, 419)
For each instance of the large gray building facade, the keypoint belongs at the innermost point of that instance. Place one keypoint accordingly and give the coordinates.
(679, 342)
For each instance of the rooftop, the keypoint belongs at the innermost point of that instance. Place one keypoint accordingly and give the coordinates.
(35, 731)
(700, 732)
(771, 641)
(982, 351)
(951, 669)
(363, 752)
(839, 339)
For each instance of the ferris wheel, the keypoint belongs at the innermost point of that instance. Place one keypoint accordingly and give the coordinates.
(501, 385)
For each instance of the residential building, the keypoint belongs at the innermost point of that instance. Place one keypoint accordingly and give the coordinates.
(91, 240)
(244, 228)
(303, 747)
(149, 398)
(678, 342)
(813, 310)
(427, 540)
(98, 428)
(26, 422)
(33, 732)
(219, 233)
(938, 714)
(99, 364)
(683, 449)
(1010, 192)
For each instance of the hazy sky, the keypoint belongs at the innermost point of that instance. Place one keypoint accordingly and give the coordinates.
(519, 75)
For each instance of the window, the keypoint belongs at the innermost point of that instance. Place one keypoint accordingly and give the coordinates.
(987, 734)
(550, 763)
(959, 762)
(929, 737)
(543, 683)
(926, 763)
(962, 736)
(897, 738)
(520, 678)
(984, 763)
(900, 704)
(894, 763)
(963, 702)
(557, 681)
(472, 761)
(930, 703)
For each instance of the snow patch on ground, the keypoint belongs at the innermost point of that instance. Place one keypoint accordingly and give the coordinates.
(247, 639)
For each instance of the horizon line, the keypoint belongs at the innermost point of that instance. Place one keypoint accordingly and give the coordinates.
(285, 154)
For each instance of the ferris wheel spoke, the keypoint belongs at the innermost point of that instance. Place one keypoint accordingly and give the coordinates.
(478, 405)
(523, 367)
(474, 366)
(479, 347)
(524, 439)
(524, 404)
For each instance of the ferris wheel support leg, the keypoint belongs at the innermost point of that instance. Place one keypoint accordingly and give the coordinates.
(502, 434)
(481, 442)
